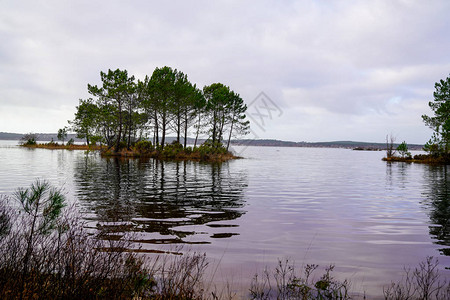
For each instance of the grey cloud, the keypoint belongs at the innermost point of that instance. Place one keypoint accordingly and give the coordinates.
(333, 63)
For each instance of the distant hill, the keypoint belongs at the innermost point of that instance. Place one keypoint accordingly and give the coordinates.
(10, 136)
(41, 136)
(242, 142)
(334, 144)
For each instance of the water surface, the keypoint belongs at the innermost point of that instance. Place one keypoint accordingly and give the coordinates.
(325, 206)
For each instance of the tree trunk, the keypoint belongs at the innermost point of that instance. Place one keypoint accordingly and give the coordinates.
(163, 137)
(198, 129)
(178, 125)
(185, 129)
(119, 137)
(214, 127)
(229, 136)
(156, 129)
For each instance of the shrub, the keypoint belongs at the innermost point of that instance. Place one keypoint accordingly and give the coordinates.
(403, 150)
(208, 148)
(29, 139)
(47, 253)
(122, 145)
(188, 150)
(422, 283)
(290, 285)
(144, 147)
(70, 142)
(172, 150)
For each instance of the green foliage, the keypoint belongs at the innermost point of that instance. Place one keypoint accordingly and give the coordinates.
(122, 145)
(87, 118)
(96, 139)
(115, 100)
(188, 150)
(70, 142)
(144, 147)
(43, 204)
(209, 148)
(62, 134)
(172, 150)
(122, 110)
(403, 150)
(440, 122)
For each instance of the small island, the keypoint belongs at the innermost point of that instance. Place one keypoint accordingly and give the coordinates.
(129, 118)
(438, 147)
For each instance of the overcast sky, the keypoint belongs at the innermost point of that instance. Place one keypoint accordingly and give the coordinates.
(329, 70)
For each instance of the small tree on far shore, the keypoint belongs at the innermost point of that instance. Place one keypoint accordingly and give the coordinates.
(403, 150)
(390, 151)
(62, 134)
(29, 139)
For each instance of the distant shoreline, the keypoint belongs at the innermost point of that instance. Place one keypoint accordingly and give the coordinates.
(243, 142)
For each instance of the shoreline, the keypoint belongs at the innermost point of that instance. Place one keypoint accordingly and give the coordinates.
(419, 159)
(180, 155)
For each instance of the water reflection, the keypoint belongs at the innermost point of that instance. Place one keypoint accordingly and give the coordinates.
(397, 174)
(437, 194)
(166, 202)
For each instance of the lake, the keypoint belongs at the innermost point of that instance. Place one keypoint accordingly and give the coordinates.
(312, 205)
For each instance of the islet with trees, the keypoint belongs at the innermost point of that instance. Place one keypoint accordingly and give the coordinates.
(438, 147)
(129, 117)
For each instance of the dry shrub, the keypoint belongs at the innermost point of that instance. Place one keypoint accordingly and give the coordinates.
(284, 283)
(424, 283)
(69, 262)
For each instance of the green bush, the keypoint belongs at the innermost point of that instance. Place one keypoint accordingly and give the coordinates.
(123, 145)
(144, 147)
(70, 142)
(188, 150)
(403, 150)
(172, 150)
(208, 148)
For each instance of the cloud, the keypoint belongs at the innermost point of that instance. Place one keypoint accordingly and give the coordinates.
(335, 63)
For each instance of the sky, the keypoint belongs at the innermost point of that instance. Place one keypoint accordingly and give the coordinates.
(308, 70)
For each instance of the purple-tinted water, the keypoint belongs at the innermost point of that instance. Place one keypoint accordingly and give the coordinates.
(324, 206)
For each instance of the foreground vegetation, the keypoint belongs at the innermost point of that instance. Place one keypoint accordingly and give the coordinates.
(46, 252)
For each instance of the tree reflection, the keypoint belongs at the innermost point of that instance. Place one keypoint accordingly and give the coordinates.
(168, 201)
(438, 199)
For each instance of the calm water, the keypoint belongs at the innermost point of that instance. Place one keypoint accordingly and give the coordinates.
(348, 208)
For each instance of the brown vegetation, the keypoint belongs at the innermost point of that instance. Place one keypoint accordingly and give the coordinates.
(55, 146)
(171, 152)
(420, 158)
